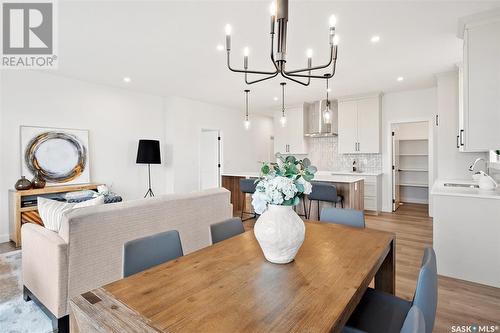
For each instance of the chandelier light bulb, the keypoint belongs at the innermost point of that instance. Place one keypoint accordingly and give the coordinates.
(332, 21)
(336, 40)
(272, 8)
(309, 53)
(283, 121)
(247, 124)
(329, 90)
(246, 51)
(228, 29)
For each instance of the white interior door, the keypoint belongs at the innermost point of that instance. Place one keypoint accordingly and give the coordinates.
(395, 172)
(209, 159)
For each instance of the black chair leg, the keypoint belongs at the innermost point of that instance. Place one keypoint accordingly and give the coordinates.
(342, 203)
(304, 204)
(318, 210)
(243, 205)
(309, 213)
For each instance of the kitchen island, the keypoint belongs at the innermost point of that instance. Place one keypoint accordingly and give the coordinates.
(351, 188)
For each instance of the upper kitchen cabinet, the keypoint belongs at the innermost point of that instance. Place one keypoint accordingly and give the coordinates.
(289, 139)
(480, 83)
(359, 124)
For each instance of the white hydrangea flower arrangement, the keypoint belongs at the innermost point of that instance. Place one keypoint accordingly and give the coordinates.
(283, 183)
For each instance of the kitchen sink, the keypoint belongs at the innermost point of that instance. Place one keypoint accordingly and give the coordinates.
(461, 185)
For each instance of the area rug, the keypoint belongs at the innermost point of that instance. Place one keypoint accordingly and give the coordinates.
(16, 315)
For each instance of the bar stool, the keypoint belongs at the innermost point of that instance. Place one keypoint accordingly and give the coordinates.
(326, 193)
(247, 186)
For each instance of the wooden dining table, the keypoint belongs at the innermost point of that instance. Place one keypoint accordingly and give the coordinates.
(230, 287)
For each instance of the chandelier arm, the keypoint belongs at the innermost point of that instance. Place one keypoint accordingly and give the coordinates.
(329, 76)
(246, 71)
(333, 56)
(272, 53)
(294, 80)
(259, 80)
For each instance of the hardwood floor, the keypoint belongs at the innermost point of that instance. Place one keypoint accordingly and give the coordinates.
(7, 247)
(459, 302)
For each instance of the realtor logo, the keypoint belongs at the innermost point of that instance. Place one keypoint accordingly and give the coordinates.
(28, 35)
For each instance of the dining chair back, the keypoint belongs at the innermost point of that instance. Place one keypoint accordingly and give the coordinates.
(146, 252)
(427, 288)
(349, 217)
(414, 321)
(226, 229)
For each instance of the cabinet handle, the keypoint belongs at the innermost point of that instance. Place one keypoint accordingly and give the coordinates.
(359, 146)
(461, 137)
(458, 141)
(437, 120)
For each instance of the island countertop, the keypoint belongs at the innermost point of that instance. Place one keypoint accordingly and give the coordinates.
(320, 177)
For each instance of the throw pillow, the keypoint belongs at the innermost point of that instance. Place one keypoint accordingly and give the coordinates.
(51, 212)
(92, 202)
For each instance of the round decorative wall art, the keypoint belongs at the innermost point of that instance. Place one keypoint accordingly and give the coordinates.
(58, 157)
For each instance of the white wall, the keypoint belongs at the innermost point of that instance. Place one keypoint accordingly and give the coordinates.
(241, 149)
(116, 120)
(398, 107)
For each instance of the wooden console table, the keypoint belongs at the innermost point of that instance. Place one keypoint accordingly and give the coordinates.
(19, 215)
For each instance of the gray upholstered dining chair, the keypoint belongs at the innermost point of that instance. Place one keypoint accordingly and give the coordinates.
(414, 323)
(247, 186)
(385, 313)
(226, 229)
(349, 217)
(324, 192)
(146, 252)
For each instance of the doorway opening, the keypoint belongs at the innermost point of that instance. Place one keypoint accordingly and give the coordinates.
(210, 159)
(410, 163)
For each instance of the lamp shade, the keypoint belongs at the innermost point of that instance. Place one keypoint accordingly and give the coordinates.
(148, 152)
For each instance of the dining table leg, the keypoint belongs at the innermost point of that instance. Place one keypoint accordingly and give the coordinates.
(385, 279)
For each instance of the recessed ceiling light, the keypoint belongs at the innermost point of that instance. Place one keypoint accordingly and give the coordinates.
(375, 39)
(400, 78)
(220, 47)
(275, 98)
(127, 79)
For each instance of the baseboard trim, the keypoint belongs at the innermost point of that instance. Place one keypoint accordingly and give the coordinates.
(414, 200)
(4, 238)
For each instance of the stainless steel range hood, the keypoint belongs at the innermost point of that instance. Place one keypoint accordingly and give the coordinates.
(315, 125)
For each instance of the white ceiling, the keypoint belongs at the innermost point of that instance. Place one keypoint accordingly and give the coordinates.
(169, 48)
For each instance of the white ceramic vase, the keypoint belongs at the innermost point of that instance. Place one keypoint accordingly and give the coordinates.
(280, 233)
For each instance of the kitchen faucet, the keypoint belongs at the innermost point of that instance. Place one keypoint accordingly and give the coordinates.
(486, 169)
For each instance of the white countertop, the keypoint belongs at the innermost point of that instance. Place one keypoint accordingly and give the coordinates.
(242, 174)
(439, 189)
(319, 176)
(362, 173)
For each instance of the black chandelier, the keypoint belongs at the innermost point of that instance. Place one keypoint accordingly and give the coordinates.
(279, 15)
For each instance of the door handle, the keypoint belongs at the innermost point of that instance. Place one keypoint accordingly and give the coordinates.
(461, 137)
(458, 141)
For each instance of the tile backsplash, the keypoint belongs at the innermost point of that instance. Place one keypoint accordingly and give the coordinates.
(323, 153)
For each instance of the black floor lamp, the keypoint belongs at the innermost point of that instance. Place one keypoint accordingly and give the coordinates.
(149, 153)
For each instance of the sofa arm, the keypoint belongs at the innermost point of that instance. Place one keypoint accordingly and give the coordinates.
(45, 267)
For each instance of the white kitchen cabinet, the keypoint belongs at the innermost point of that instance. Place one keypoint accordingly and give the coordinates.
(290, 138)
(348, 127)
(359, 125)
(479, 115)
